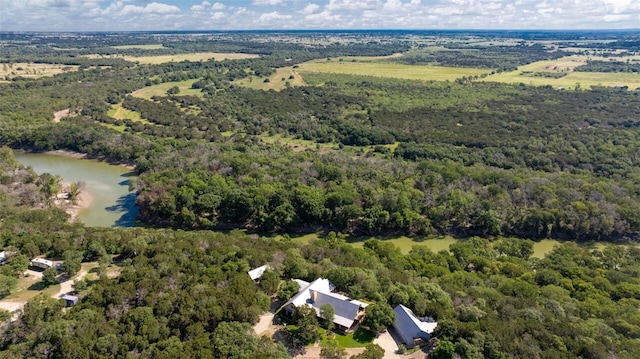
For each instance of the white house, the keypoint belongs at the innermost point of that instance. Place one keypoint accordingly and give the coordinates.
(347, 312)
(411, 328)
(3, 257)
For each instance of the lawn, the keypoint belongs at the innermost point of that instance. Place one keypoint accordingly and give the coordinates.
(33, 70)
(359, 339)
(283, 77)
(30, 286)
(357, 66)
(161, 89)
(568, 64)
(161, 59)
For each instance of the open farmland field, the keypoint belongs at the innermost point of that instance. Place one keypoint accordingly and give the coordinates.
(144, 47)
(33, 70)
(161, 89)
(277, 81)
(353, 66)
(567, 65)
(161, 59)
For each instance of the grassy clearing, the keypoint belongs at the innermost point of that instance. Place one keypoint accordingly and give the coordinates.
(33, 70)
(161, 89)
(569, 82)
(404, 243)
(161, 59)
(353, 66)
(30, 286)
(121, 113)
(434, 243)
(144, 47)
(283, 77)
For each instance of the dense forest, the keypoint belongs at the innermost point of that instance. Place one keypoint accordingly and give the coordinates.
(186, 293)
(342, 154)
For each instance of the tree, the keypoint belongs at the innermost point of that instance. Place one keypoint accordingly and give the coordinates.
(74, 190)
(72, 262)
(331, 350)
(49, 276)
(235, 340)
(305, 318)
(371, 351)
(288, 289)
(173, 90)
(444, 350)
(41, 308)
(6, 284)
(379, 316)
(19, 264)
(327, 312)
(269, 281)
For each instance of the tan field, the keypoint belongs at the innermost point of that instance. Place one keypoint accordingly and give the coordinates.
(33, 70)
(573, 78)
(277, 81)
(371, 67)
(161, 59)
(144, 47)
(161, 89)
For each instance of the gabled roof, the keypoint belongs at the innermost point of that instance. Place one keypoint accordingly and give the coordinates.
(304, 294)
(409, 326)
(319, 292)
(345, 310)
(258, 272)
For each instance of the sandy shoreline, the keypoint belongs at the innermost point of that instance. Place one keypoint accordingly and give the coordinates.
(83, 201)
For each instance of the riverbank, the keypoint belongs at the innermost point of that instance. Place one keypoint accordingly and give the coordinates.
(82, 201)
(72, 154)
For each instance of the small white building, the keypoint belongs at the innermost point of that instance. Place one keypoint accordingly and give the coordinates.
(3, 257)
(257, 273)
(411, 328)
(41, 263)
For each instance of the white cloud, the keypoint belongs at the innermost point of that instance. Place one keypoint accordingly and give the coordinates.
(310, 9)
(274, 16)
(88, 15)
(267, 2)
(218, 6)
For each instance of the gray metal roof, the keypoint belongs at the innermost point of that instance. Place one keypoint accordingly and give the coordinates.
(345, 310)
(409, 326)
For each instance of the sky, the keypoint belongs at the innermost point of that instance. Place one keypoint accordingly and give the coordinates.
(167, 15)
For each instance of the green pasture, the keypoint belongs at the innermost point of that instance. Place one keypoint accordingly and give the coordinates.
(278, 81)
(355, 66)
(161, 89)
(567, 64)
(118, 112)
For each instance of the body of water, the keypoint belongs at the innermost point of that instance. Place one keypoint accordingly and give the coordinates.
(112, 204)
